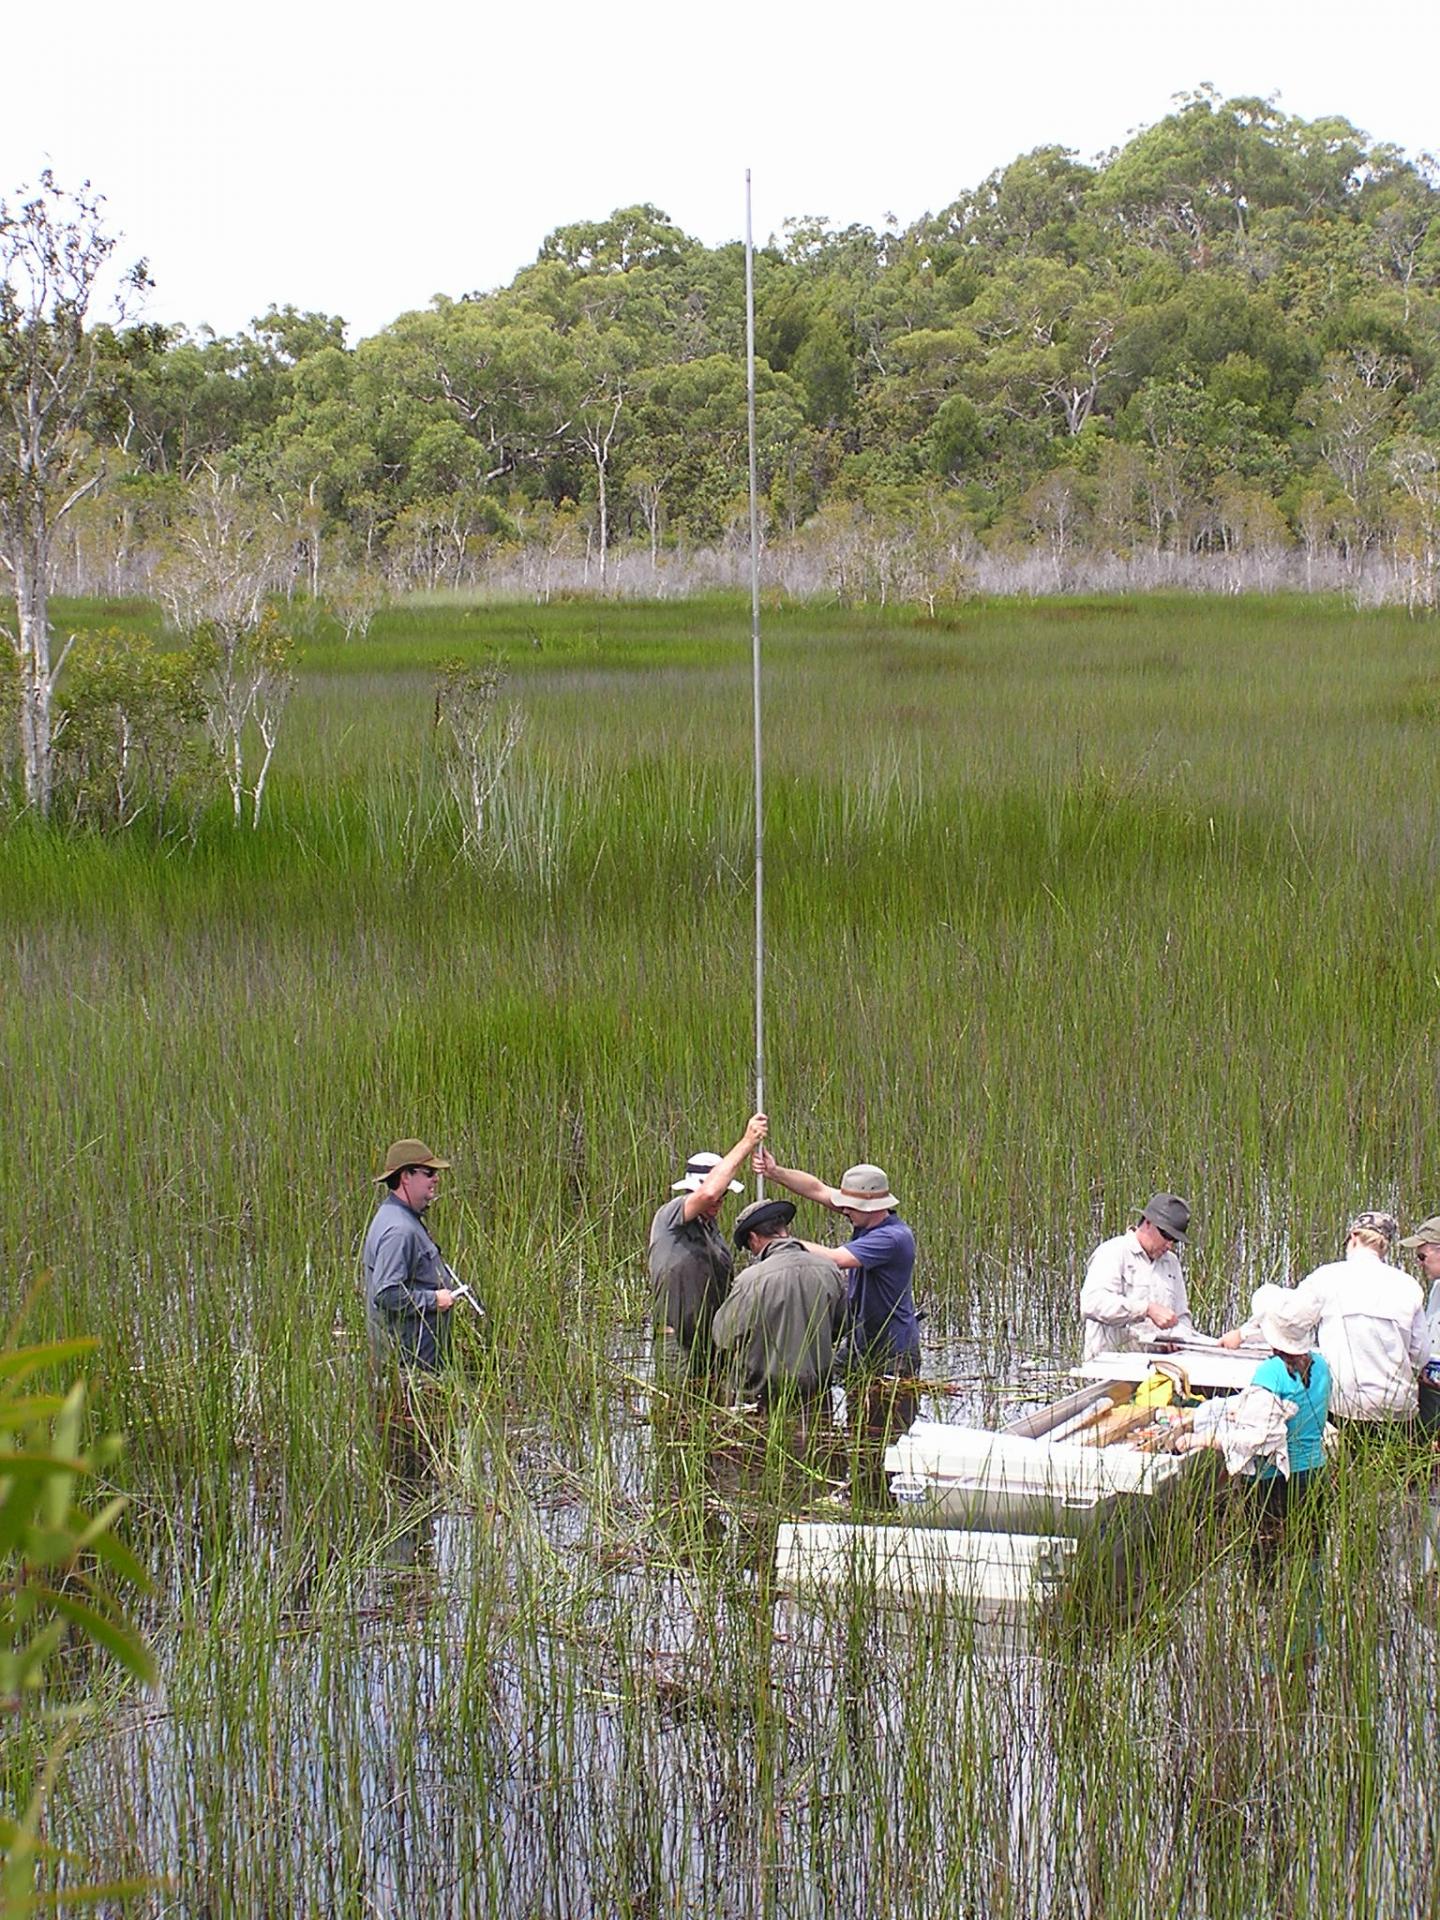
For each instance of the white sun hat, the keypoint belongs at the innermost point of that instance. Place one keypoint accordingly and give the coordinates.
(696, 1168)
(1287, 1321)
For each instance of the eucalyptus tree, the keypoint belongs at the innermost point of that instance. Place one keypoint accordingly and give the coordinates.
(1354, 408)
(54, 255)
(1415, 469)
(1402, 216)
(318, 460)
(1198, 174)
(692, 427)
(1036, 207)
(923, 370)
(1050, 333)
(597, 380)
(489, 365)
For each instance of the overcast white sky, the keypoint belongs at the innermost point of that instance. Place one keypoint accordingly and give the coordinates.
(360, 159)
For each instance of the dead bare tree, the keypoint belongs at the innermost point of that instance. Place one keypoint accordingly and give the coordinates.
(476, 735)
(226, 557)
(54, 251)
(1415, 468)
(354, 595)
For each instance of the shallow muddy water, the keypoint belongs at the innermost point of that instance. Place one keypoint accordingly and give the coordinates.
(562, 1682)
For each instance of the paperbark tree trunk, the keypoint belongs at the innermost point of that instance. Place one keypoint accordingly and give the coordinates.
(37, 680)
(53, 250)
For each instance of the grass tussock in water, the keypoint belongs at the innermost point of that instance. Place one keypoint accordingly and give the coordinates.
(1065, 903)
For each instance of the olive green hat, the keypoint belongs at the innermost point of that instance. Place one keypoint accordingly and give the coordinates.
(408, 1153)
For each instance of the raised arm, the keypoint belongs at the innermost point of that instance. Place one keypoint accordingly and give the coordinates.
(805, 1184)
(713, 1187)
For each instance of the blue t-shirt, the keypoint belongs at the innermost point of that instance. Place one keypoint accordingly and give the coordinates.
(1306, 1426)
(884, 1325)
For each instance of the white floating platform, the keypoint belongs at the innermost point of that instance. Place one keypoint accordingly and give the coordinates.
(1209, 1369)
(994, 1573)
(949, 1476)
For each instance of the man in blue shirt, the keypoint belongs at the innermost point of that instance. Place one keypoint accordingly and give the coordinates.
(878, 1259)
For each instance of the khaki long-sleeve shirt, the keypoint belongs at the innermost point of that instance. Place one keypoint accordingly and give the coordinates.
(780, 1322)
(1121, 1281)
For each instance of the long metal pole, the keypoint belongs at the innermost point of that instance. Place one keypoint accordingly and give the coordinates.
(755, 670)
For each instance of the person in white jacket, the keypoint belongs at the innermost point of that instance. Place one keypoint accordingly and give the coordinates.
(1134, 1290)
(1372, 1328)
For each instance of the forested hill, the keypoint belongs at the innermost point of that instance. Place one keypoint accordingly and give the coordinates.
(1219, 345)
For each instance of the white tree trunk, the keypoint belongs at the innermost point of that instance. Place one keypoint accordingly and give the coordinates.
(603, 509)
(37, 678)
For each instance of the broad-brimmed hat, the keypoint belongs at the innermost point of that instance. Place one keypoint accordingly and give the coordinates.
(1373, 1220)
(1287, 1320)
(1427, 1234)
(762, 1216)
(408, 1153)
(1169, 1213)
(696, 1168)
(866, 1189)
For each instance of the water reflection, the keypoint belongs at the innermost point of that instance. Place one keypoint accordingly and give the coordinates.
(1286, 1561)
(408, 1411)
(562, 1682)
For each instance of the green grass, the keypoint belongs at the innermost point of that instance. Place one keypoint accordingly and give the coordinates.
(1066, 902)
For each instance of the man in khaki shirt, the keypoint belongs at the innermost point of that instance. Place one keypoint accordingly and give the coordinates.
(780, 1321)
(1133, 1284)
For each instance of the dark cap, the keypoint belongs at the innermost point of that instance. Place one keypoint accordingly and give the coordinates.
(1169, 1213)
(1375, 1220)
(763, 1216)
(1427, 1234)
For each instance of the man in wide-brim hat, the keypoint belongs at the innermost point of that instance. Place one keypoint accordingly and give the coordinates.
(408, 1295)
(878, 1260)
(1134, 1287)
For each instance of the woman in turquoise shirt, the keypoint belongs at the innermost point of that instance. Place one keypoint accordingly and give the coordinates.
(1247, 1429)
(1294, 1372)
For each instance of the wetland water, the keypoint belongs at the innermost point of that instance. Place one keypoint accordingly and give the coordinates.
(1062, 910)
(566, 1684)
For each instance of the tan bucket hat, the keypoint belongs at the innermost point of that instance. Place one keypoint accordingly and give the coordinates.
(762, 1216)
(1427, 1234)
(866, 1189)
(408, 1153)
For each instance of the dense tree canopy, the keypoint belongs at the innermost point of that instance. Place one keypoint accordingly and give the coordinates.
(1235, 303)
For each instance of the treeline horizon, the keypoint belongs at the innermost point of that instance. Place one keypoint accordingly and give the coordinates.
(1214, 354)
